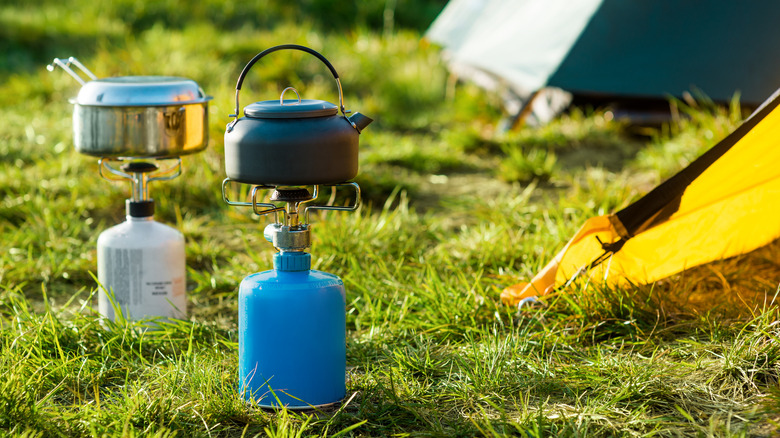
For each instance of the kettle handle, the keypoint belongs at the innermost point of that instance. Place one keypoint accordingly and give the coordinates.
(286, 47)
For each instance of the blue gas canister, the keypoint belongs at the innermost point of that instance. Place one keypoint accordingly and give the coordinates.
(292, 335)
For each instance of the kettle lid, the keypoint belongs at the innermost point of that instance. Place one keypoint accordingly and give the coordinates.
(290, 109)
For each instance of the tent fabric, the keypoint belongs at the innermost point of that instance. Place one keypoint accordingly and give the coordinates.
(633, 49)
(511, 39)
(725, 203)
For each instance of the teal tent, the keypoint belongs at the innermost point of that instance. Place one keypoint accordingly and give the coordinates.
(639, 49)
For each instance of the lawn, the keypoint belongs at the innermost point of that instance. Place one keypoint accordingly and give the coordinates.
(453, 212)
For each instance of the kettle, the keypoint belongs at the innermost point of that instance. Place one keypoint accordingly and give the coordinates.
(292, 142)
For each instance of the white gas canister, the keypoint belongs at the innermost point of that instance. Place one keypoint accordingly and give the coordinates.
(141, 265)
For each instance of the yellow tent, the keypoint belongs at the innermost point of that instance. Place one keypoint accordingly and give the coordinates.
(725, 203)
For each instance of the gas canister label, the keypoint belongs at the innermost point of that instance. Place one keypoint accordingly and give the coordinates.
(172, 287)
(134, 282)
(125, 269)
(159, 287)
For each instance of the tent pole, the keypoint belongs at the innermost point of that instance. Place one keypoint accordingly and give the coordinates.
(519, 119)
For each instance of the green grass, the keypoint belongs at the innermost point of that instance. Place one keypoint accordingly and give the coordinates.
(454, 212)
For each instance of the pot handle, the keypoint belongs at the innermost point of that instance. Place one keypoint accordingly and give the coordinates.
(286, 47)
(65, 65)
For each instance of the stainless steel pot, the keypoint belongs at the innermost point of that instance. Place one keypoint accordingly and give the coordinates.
(138, 116)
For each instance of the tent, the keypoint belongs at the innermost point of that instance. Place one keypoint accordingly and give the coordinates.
(725, 203)
(649, 49)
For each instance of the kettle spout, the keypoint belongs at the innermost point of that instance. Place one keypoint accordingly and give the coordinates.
(359, 121)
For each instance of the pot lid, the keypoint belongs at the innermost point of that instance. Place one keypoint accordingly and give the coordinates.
(290, 109)
(140, 91)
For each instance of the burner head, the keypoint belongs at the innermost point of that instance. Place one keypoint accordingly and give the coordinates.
(139, 167)
(291, 195)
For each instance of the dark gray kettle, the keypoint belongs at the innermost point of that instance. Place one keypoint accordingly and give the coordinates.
(292, 142)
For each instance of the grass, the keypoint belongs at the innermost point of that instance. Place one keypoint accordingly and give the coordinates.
(446, 225)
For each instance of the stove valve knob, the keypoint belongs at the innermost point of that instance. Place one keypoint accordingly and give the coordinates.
(270, 231)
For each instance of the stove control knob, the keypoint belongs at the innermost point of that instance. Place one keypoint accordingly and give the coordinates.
(270, 231)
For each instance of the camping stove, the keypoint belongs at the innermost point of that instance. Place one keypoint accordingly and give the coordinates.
(134, 121)
(292, 323)
(141, 262)
(291, 319)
